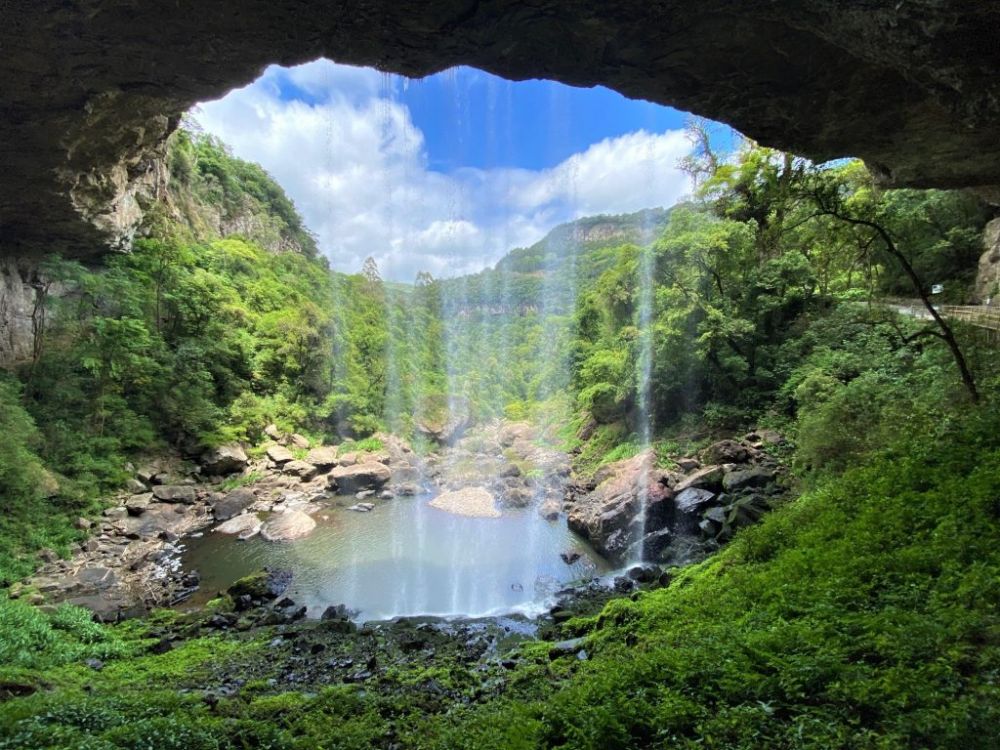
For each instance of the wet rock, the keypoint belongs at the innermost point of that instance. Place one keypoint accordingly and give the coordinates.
(175, 493)
(322, 457)
(363, 476)
(244, 526)
(643, 573)
(232, 503)
(692, 500)
(280, 454)
(162, 646)
(264, 585)
(569, 647)
(407, 489)
(609, 514)
(226, 459)
(362, 507)
(338, 612)
(301, 469)
(569, 556)
(550, 510)
(287, 526)
(470, 501)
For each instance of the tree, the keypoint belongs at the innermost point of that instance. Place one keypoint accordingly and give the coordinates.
(861, 209)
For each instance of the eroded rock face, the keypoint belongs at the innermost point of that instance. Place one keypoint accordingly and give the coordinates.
(92, 89)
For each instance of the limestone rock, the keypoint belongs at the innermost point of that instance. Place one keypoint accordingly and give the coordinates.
(349, 479)
(707, 477)
(287, 526)
(280, 454)
(323, 457)
(226, 459)
(244, 526)
(136, 505)
(232, 503)
(470, 501)
(301, 469)
(169, 493)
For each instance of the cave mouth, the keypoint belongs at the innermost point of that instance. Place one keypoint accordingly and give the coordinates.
(910, 88)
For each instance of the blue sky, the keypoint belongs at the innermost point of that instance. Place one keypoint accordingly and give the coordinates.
(449, 172)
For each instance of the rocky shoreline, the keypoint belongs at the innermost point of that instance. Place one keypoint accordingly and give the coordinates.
(629, 510)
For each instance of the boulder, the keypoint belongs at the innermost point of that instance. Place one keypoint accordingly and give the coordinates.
(287, 526)
(280, 454)
(175, 493)
(82, 524)
(707, 477)
(264, 585)
(233, 503)
(348, 459)
(298, 441)
(609, 515)
(469, 501)
(137, 504)
(301, 469)
(693, 500)
(247, 524)
(273, 432)
(226, 459)
(728, 452)
(688, 464)
(550, 510)
(356, 477)
(135, 486)
(752, 477)
(323, 457)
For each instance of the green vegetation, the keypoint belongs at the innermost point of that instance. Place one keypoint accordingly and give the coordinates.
(862, 614)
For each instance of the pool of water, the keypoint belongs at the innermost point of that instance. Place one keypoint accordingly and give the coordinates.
(407, 558)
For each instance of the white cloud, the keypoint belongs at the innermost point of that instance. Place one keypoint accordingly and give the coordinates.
(351, 158)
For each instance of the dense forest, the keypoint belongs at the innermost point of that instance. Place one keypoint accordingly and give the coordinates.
(861, 613)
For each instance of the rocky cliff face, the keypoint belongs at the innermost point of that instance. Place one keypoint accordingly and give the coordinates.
(988, 274)
(18, 295)
(93, 87)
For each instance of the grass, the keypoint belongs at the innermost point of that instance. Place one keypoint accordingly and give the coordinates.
(865, 614)
(241, 480)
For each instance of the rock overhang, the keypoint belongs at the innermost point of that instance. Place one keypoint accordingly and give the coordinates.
(92, 88)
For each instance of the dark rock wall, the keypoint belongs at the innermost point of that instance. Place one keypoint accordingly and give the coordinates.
(91, 87)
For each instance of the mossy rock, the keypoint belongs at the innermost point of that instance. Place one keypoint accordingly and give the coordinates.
(262, 585)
